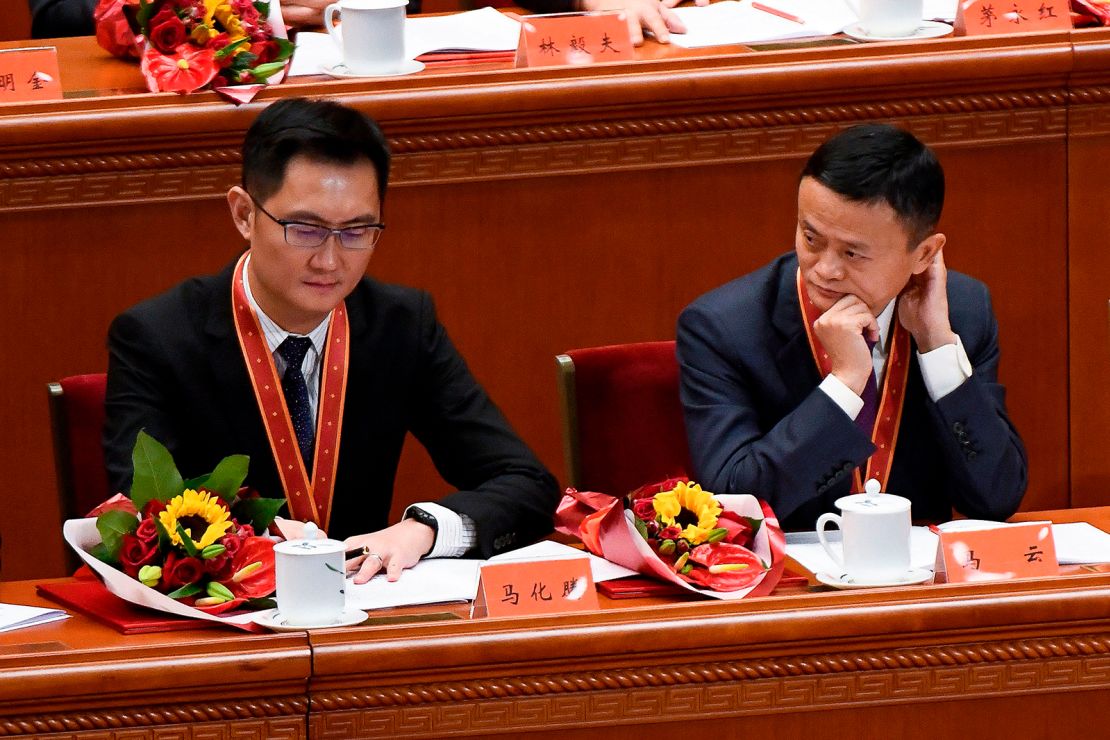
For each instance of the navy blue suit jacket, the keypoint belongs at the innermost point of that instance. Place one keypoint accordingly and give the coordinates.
(757, 422)
(176, 370)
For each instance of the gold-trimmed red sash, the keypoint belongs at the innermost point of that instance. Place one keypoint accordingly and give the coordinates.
(892, 395)
(307, 500)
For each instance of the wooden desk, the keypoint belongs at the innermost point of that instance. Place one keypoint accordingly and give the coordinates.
(568, 207)
(985, 661)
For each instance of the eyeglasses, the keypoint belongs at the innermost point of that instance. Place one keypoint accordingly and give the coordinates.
(311, 236)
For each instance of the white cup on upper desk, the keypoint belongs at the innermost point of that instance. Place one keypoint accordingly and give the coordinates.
(371, 36)
(875, 537)
(890, 18)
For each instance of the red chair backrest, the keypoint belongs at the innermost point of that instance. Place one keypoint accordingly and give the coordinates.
(630, 423)
(77, 415)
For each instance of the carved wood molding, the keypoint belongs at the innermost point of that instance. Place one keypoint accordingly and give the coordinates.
(272, 717)
(542, 150)
(698, 691)
(1089, 112)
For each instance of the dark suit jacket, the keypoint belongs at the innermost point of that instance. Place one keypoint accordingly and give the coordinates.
(175, 369)
(757, 423)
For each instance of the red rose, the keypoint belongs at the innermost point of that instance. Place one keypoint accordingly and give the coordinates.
(231, 543)
(740, 531)
(147, 531)
(178, 571)
(266, 51)
(168, 34)
(135, 553)
(644, 508)
(153, 508)
(219, 567)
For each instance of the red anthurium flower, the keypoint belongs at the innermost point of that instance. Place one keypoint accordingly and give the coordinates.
(253, 569)
(184, 71)
(727, 567)
(739, 530)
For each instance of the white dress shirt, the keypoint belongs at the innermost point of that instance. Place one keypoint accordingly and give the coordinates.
(457, 533)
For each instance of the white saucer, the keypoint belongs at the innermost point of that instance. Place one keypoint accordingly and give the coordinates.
(927, 30)
(916, 575)
(273, 620)
(408, 67)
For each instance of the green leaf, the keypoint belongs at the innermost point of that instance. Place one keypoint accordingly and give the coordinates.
(224, 52)
(100, 552)
(156, 476)
(260, 512)
(146, 11)
(186, 541)
(196, 483)
(112, 526)
(189, 589)
(264, 602)
(228, 476)
(640, 526)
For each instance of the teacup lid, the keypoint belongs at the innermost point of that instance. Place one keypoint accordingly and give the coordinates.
(873, 500)
(312, 543)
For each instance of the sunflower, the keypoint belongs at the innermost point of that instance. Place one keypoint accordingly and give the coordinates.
(195, 512)
(689, 507)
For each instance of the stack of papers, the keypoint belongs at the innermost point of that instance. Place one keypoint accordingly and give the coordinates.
(16, 616)
(484, 30)
(742, 22)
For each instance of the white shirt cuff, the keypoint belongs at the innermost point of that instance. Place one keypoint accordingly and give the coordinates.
(944, 369)
(842, 396)
(456, 534)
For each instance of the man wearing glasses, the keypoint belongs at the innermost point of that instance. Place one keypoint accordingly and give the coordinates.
(294, 357)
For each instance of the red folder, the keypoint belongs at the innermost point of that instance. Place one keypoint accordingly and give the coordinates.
(89, 597)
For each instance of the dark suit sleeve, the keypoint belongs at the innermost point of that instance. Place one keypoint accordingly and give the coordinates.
(56, 18)
(501, 485)
(733, 446)
(984, 457)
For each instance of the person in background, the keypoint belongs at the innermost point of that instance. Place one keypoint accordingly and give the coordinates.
(293, 357)
(57, 18)
(856, 356)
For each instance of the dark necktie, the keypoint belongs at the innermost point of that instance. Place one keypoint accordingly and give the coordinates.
(866, 419)
(293, 385)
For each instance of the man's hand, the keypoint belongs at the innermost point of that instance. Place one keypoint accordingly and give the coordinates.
(841, 330)
(653, 15)
(304, 12)
(923, 307)
(392, 549)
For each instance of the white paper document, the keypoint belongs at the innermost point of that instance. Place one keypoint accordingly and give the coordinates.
(740, 22)
(455, 580)
(476, 30)
(17, 616)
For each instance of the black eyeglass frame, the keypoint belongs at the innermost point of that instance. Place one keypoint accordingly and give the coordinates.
(284, 223)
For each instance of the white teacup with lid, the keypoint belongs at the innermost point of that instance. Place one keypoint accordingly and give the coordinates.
(311, 590)
(371, 37)
(875, 535)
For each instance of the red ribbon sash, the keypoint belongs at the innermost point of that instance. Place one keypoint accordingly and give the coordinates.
(884, 435)
(307, 500)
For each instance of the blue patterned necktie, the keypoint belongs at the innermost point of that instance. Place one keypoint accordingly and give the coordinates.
(293, 385)
(866, 419)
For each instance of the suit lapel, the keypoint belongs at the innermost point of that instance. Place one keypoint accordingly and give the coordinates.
(793, 358)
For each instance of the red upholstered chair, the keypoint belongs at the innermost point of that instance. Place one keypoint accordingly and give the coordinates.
(622, 417)
(77, 421)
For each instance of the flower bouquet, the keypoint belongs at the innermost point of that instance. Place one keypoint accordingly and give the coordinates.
(184, 547)
(727, 546)
(185, 45)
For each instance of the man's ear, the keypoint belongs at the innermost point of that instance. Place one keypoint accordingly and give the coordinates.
(242, 210)
(926, 251)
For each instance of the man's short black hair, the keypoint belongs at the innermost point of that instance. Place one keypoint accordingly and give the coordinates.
(880, 163)
(317, 129)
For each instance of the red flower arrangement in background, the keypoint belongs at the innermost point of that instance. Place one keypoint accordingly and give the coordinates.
(185, 45)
